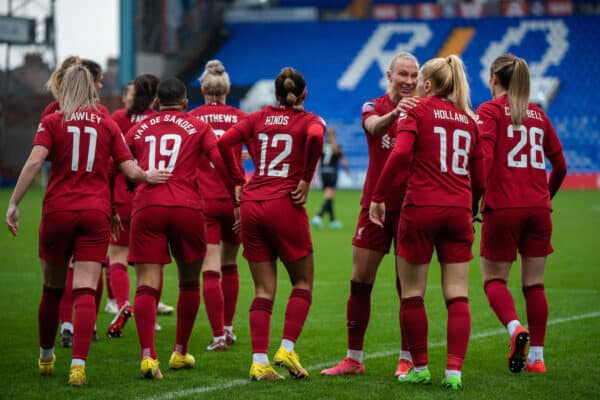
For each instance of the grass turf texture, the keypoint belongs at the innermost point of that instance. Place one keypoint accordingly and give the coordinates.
(572, 346)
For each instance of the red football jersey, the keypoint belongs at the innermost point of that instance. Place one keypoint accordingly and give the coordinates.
(55, 106)
(177, 142)
(125, 121)
(517, 175)
(220, 117)
(379, 148)
(79, 150)
(278, 136)
(445, 143)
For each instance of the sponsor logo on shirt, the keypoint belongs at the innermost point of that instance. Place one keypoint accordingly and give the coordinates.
(387, 142)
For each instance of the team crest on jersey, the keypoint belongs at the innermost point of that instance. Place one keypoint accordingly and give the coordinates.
(368, 107)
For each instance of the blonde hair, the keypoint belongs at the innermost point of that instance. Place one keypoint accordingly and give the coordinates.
(54, 84)
(513, 74)
(214, 81)
(78, 90)
(403, 55)
(449, 80)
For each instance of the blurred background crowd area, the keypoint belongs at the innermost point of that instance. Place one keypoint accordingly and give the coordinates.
(341, 46)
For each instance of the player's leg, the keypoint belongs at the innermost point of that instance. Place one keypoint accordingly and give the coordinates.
(213, 296)
(532, 277)
(66, 310)
(301, 274)
(120, 282)
(230, 282)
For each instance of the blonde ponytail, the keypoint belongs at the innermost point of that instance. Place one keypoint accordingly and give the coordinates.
(461, 92)
(78, 90)
(513, 75)
(54, 84)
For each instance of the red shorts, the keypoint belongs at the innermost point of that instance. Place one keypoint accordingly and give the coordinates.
(275, 228)
(219, 221)
(370, 236)
(81, 234)
(507, 230)
(156, 229)
(124, 211)
(448, 229)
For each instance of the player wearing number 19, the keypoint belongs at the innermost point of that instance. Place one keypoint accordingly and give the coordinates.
(446, 178)
(287, 143)
(170, 217)
(78, 141)
(517, 137)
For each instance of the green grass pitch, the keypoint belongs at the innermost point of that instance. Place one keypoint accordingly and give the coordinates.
(572, 351)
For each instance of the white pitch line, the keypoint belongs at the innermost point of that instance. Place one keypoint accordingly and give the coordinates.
(379, 354)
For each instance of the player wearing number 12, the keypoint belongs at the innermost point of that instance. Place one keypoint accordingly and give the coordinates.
(287, 142)
(517, 137)
(170, 217)
(78, 141)
(446, 178)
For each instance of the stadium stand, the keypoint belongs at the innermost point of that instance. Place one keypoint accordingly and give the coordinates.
(343, 62)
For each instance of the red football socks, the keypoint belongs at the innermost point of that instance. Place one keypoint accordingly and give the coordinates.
(119, 280)
(48, 312)
(358, 313)
(404, 345)
(109, 291)
(66, 302)
(296, 312)
(230, 284)
(84, 304)
(187, 309)
(537, 313)
(144, 307)
(213, 301)
(501, 300)
(260, 324)
(99, 290)
(413, 318)
(458, 332)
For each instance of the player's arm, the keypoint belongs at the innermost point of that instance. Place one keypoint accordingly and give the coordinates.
(227, 145)
(477, 172)
(26, 177)
(487, 126)
(312, 154)
(397, 162)
(378, 125)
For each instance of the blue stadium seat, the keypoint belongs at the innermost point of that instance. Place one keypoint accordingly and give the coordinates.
(325, 52)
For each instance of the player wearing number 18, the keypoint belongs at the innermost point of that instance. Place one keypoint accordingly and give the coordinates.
(517, 137)
(78, 141)
(170, 217)
(287, 143)
(446, 178)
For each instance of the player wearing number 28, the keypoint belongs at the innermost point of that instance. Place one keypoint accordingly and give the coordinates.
(287, 143)
(169, 216)
(446, 175)
(517, 137)
(78, 141)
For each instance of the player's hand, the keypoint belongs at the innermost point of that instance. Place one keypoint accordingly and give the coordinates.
(12, 219)
(236, 220)
(245, 155)
(154, 176)
(407, 103)
(237, 190)
(377, 213)
(300, 195)
(116, 227)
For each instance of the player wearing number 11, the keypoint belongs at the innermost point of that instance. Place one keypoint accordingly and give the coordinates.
(517, 137)
(78, 141)
(288, 142)
(446, 179)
